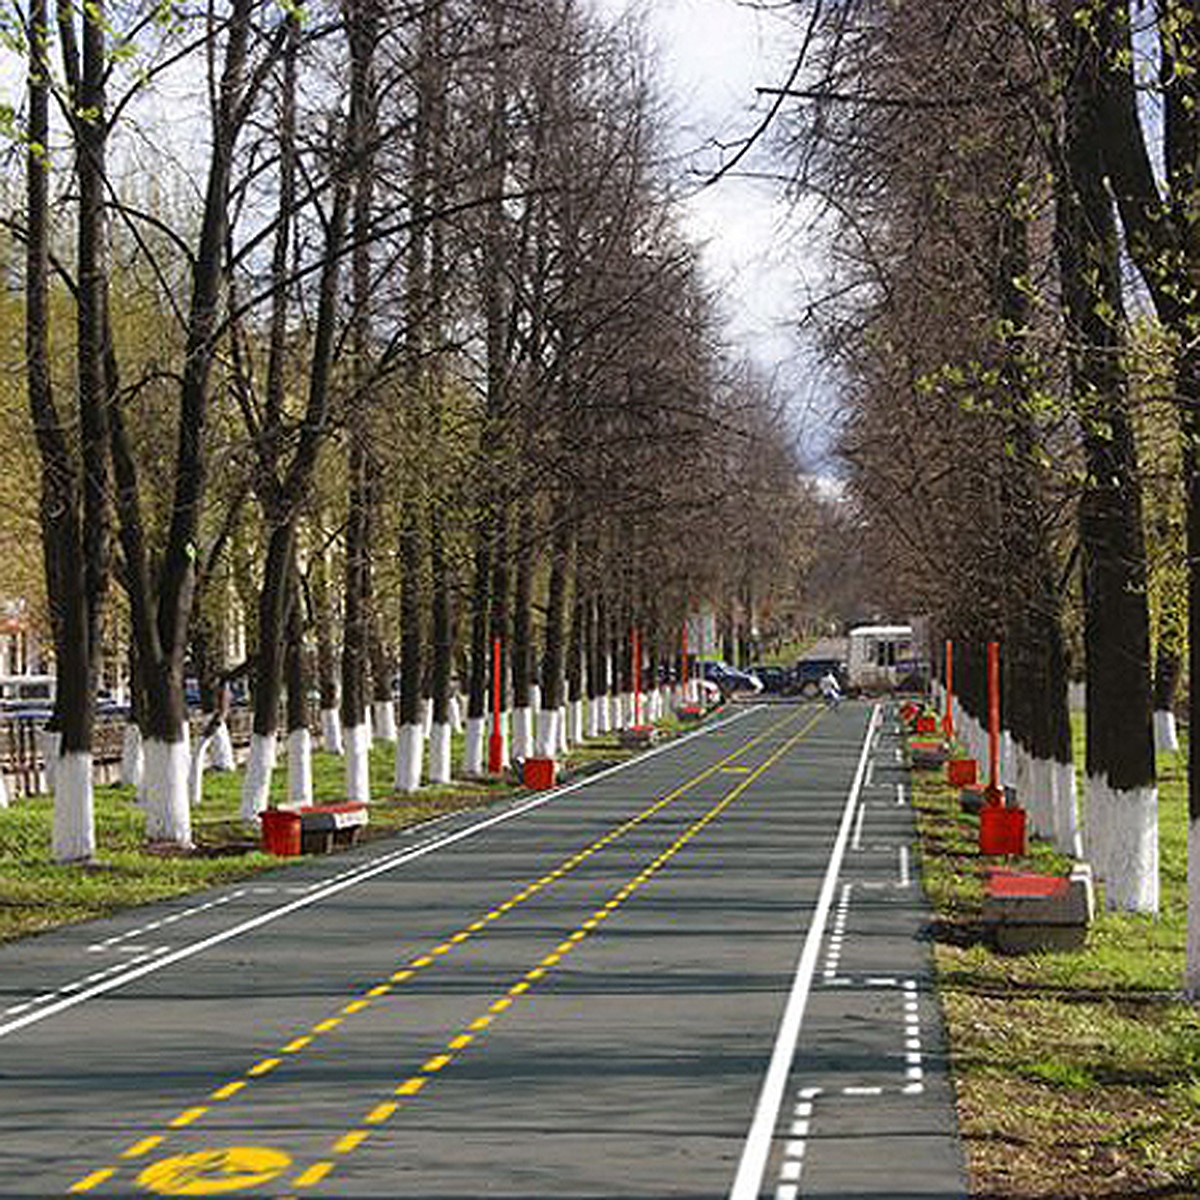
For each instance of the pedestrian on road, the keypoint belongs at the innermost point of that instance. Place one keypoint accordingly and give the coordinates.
(831, 689)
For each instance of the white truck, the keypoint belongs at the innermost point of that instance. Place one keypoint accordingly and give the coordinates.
(882, 657)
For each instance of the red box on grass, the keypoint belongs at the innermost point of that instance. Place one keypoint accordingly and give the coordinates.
(1001, 830)
(281, 832)
(927, 724)
(539, 774)
(961, 772)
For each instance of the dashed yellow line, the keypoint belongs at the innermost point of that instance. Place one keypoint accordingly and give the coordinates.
(318, 1171)
(95, 1179)
(439, 1062)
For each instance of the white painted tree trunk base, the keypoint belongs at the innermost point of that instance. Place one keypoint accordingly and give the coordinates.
(1126, 846)
(220, 752)
(131, 756)
(4, 799)
(595, 726)
(548, 725)
(564, 739)
(606, 723)
(522, 733)
(455, 713)
(1166, 736)
(475, 748)
(300, 768)
(260, 766)
(1067, 836)
(50, 740)
(427, 718)
(384, 715)
(196, 771)
(74, 837)
(168, 813)
(440, 770)
(358, 763)
(410, 758)
(575, 721)
(331, 731)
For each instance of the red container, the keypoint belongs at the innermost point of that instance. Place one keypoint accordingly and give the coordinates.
(539, 774)
(961, 772)
(909, 711)
(1001, 830)
(927, 724)
(281, 832)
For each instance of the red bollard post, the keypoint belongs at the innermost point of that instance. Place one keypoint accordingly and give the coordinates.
(684, 675)
(496, 741)
(994, 792)
(636, 650)
(948, 719)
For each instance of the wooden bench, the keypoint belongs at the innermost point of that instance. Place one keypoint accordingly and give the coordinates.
(323, 826)
(1024, 911)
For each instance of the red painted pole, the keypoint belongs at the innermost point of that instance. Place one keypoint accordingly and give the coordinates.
(637, 678)
(995, 793)
(948, 719)
(496, 741)
(685, 658)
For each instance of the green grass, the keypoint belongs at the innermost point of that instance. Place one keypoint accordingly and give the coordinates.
(37, 894)
(1078, 1073)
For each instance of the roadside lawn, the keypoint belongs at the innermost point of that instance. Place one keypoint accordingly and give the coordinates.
(1078, 1074)
(37, 894)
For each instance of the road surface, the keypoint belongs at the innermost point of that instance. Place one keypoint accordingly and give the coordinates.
(701, 974)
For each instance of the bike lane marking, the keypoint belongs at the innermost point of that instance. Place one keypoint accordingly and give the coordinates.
(747, 1184)
(386, 1109)
(227, 1091)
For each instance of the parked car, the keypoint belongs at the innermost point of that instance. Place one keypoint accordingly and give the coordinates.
(775, 679)
(729, 679)
(808, 673)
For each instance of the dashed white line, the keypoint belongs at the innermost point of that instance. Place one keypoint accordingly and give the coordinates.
(905, 876)
(858, 827)
(747, 1183)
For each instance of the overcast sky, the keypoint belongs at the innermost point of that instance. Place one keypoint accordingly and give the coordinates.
(713, 56)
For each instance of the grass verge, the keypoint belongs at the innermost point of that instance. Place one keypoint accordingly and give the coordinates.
(1078, 1074)
(37, 894)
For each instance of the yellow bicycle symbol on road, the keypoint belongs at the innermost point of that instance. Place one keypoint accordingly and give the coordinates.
(213, 1172)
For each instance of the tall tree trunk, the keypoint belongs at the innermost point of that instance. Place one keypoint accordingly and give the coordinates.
(323, 620)
(299, 740)
(548, 733)
(522, 639)
(477, 684)
(362, 23)
(1122, 794)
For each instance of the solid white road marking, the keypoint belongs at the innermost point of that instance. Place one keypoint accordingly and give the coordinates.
(747, 1182)
(135, 968)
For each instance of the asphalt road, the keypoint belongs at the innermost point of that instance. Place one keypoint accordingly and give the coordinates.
(700, 975)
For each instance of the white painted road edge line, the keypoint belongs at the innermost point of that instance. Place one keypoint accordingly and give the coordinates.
(390, 862)
(747, 1184)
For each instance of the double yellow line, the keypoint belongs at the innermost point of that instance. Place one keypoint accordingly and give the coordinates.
(352, 1139)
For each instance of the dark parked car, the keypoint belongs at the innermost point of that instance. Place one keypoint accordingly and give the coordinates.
(773, 678)
(808, 673)
(729, 679)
